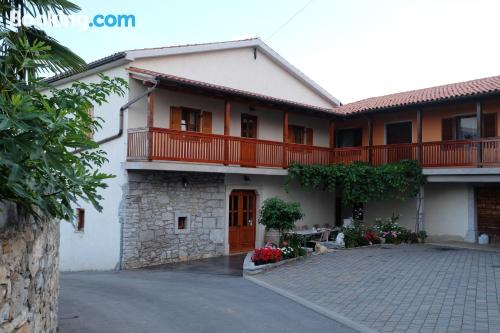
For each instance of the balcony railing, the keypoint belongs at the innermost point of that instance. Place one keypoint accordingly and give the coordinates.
(170, 145)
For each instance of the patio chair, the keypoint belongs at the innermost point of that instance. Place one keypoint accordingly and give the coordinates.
(327, 226)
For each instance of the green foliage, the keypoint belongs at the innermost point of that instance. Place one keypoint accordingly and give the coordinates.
(354, 234)
(295, 242)
(39, 131)
(56, 59)
(279, 214)
(361, 182)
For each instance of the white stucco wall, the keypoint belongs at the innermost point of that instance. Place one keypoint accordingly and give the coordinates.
(238, 69)
(98, 246)
(447, 212)
(318, 206)
(269, 122)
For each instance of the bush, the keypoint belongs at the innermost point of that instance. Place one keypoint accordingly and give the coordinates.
(354, 234)
(295, 242)
(279, 214)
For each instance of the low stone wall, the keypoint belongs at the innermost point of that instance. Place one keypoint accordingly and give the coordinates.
(29, 273)
(153, 203)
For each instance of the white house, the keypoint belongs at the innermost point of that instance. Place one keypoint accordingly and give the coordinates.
(205, 134)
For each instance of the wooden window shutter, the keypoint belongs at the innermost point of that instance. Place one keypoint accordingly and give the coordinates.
(309, 136)
(175, 118)
(489, 125)
(206, 122)
(291, 134)
(447, 128)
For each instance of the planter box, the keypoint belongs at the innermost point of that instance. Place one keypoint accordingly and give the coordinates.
(249, 268)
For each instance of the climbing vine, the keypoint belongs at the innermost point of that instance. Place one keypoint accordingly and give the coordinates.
(361, 182)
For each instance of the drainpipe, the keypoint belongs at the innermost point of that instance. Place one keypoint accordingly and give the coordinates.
(155, 82)
(122, 111)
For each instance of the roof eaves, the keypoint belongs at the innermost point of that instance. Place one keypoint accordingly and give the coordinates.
(92, 65)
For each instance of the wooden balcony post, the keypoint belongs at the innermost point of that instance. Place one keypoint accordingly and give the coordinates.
(419, 136)
(370, 139)
(479, 114)
(331, 135)
(285, 138)
(227, 130)
(150, 121)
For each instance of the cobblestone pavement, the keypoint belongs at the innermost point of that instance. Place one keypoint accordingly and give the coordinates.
(406, 288)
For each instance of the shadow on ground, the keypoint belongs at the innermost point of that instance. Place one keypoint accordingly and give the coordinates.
(224, 265)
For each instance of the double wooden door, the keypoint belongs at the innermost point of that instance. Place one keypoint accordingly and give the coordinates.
(248, 148)
(242, 219)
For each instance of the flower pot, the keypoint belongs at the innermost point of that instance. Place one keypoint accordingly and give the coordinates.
(272, 236)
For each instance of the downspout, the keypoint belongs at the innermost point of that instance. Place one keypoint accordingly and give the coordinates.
(118, 135)
(122, 111)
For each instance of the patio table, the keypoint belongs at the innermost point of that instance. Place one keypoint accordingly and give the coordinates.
(306, 234)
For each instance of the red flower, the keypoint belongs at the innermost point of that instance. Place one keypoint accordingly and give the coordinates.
(266, 255)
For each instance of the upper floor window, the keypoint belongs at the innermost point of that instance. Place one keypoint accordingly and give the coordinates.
(396, 133)
(351, 137)
(300, 135)
(190, 120)
(465, 127)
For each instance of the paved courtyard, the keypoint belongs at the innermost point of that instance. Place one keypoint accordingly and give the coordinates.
(406, 288)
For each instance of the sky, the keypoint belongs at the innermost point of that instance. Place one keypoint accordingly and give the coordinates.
(355, 49)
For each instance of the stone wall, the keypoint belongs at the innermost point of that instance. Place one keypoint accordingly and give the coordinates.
(29, 273)
(152, 205)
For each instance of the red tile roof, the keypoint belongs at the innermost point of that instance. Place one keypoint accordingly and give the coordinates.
(228, 90)
(489, 85)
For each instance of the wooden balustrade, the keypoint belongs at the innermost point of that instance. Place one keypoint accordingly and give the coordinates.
(172, 145)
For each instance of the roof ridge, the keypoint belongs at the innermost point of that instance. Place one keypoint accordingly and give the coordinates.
(193, 44)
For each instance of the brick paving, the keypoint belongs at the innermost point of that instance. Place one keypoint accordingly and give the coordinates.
(406, 288)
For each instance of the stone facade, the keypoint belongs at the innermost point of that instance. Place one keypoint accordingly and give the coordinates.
(172, 216)
(29, 273)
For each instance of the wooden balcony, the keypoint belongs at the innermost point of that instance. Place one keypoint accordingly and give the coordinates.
(160, 144)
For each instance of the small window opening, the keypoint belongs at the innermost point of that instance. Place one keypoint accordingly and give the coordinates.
(80, 215)
(181, 222)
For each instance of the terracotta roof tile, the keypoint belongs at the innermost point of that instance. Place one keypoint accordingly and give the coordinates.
(470, 88)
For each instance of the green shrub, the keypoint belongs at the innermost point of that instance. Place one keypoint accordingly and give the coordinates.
(279, 214)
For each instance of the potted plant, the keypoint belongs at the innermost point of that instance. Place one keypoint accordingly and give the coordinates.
(279, 215)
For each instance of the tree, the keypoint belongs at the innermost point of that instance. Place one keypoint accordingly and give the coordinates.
(279, 214)
(41, 127)
(57, 58)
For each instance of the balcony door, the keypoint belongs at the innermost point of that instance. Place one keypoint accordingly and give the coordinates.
(248, 148)
(242, 211)
(399, 135)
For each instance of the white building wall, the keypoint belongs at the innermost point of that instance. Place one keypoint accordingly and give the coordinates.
(318, 206)
(238, 69)
(447, 211)
(269, 122)
(98, 246)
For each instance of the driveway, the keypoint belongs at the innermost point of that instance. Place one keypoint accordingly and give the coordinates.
(204, 296)
(406, 288)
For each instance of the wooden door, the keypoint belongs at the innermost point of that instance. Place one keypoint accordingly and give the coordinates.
(488, 212)
(396, 135)
(242, 219)
(248, 148)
